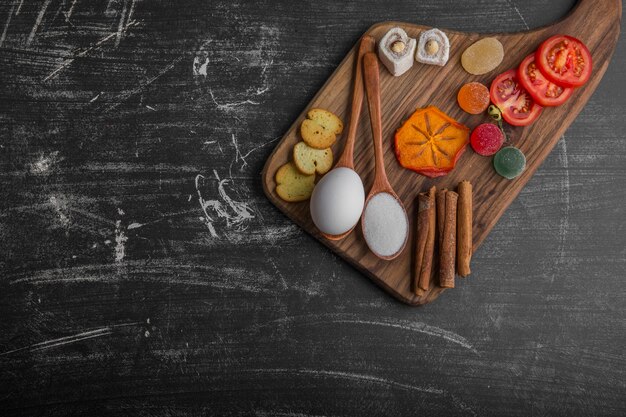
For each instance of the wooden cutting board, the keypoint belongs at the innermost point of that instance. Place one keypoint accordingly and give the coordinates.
(597, 23)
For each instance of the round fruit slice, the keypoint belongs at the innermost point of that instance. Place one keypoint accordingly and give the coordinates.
(516, 104)
(487, 139)
(564, 60)
(544, 92)
(430, 142)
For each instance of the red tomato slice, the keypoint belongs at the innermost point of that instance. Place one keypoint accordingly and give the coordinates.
(545, 93)
(564, 60)
(517, 106)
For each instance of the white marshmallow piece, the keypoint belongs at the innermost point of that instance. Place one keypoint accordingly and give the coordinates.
(397, 62)
(443, 52)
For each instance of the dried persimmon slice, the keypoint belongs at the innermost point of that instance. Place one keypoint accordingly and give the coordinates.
(430, 142)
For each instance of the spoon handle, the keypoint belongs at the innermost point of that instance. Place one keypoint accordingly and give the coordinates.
(367, 44)
(372, 87)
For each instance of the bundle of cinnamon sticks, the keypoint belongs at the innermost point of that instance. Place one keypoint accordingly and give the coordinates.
(444, 220)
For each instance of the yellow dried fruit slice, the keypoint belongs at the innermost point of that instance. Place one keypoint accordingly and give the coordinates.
(482, 56)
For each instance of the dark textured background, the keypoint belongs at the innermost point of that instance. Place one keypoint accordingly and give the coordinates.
(145, 273)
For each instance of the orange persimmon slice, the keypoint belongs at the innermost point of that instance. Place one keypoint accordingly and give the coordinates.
(430, 142)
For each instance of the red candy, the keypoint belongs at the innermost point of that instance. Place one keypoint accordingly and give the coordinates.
(486, 139)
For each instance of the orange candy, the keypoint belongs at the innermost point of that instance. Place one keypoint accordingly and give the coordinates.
(473, 98)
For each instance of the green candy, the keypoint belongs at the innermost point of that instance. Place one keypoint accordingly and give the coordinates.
(509, 162)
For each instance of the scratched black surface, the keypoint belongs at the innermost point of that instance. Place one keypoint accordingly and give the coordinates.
(144, 272)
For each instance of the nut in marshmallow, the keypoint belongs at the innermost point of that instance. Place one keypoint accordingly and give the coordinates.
(396, 51)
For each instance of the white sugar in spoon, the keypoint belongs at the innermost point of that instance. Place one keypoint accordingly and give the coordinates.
(385, 223)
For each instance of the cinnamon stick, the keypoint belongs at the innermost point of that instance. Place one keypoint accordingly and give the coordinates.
(447, 249)
(423, 205)
(429, 251)
(441, 214)
(464, 229)
(426, 215)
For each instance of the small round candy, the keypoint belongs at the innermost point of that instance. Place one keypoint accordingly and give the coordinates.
(509, 162)
(473, 98)
(486, 139)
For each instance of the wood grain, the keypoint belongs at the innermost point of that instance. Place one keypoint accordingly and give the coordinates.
(381, 183)
(598, 27)
(262, 319)
(346, 160)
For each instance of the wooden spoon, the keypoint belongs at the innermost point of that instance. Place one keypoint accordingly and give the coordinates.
(346, 160)
(381, 184)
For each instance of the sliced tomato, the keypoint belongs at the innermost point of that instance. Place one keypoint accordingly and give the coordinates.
(545, 93)
(517, 106)
(564, 60)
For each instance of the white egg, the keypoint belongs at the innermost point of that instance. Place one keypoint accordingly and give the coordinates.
(337, 201)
